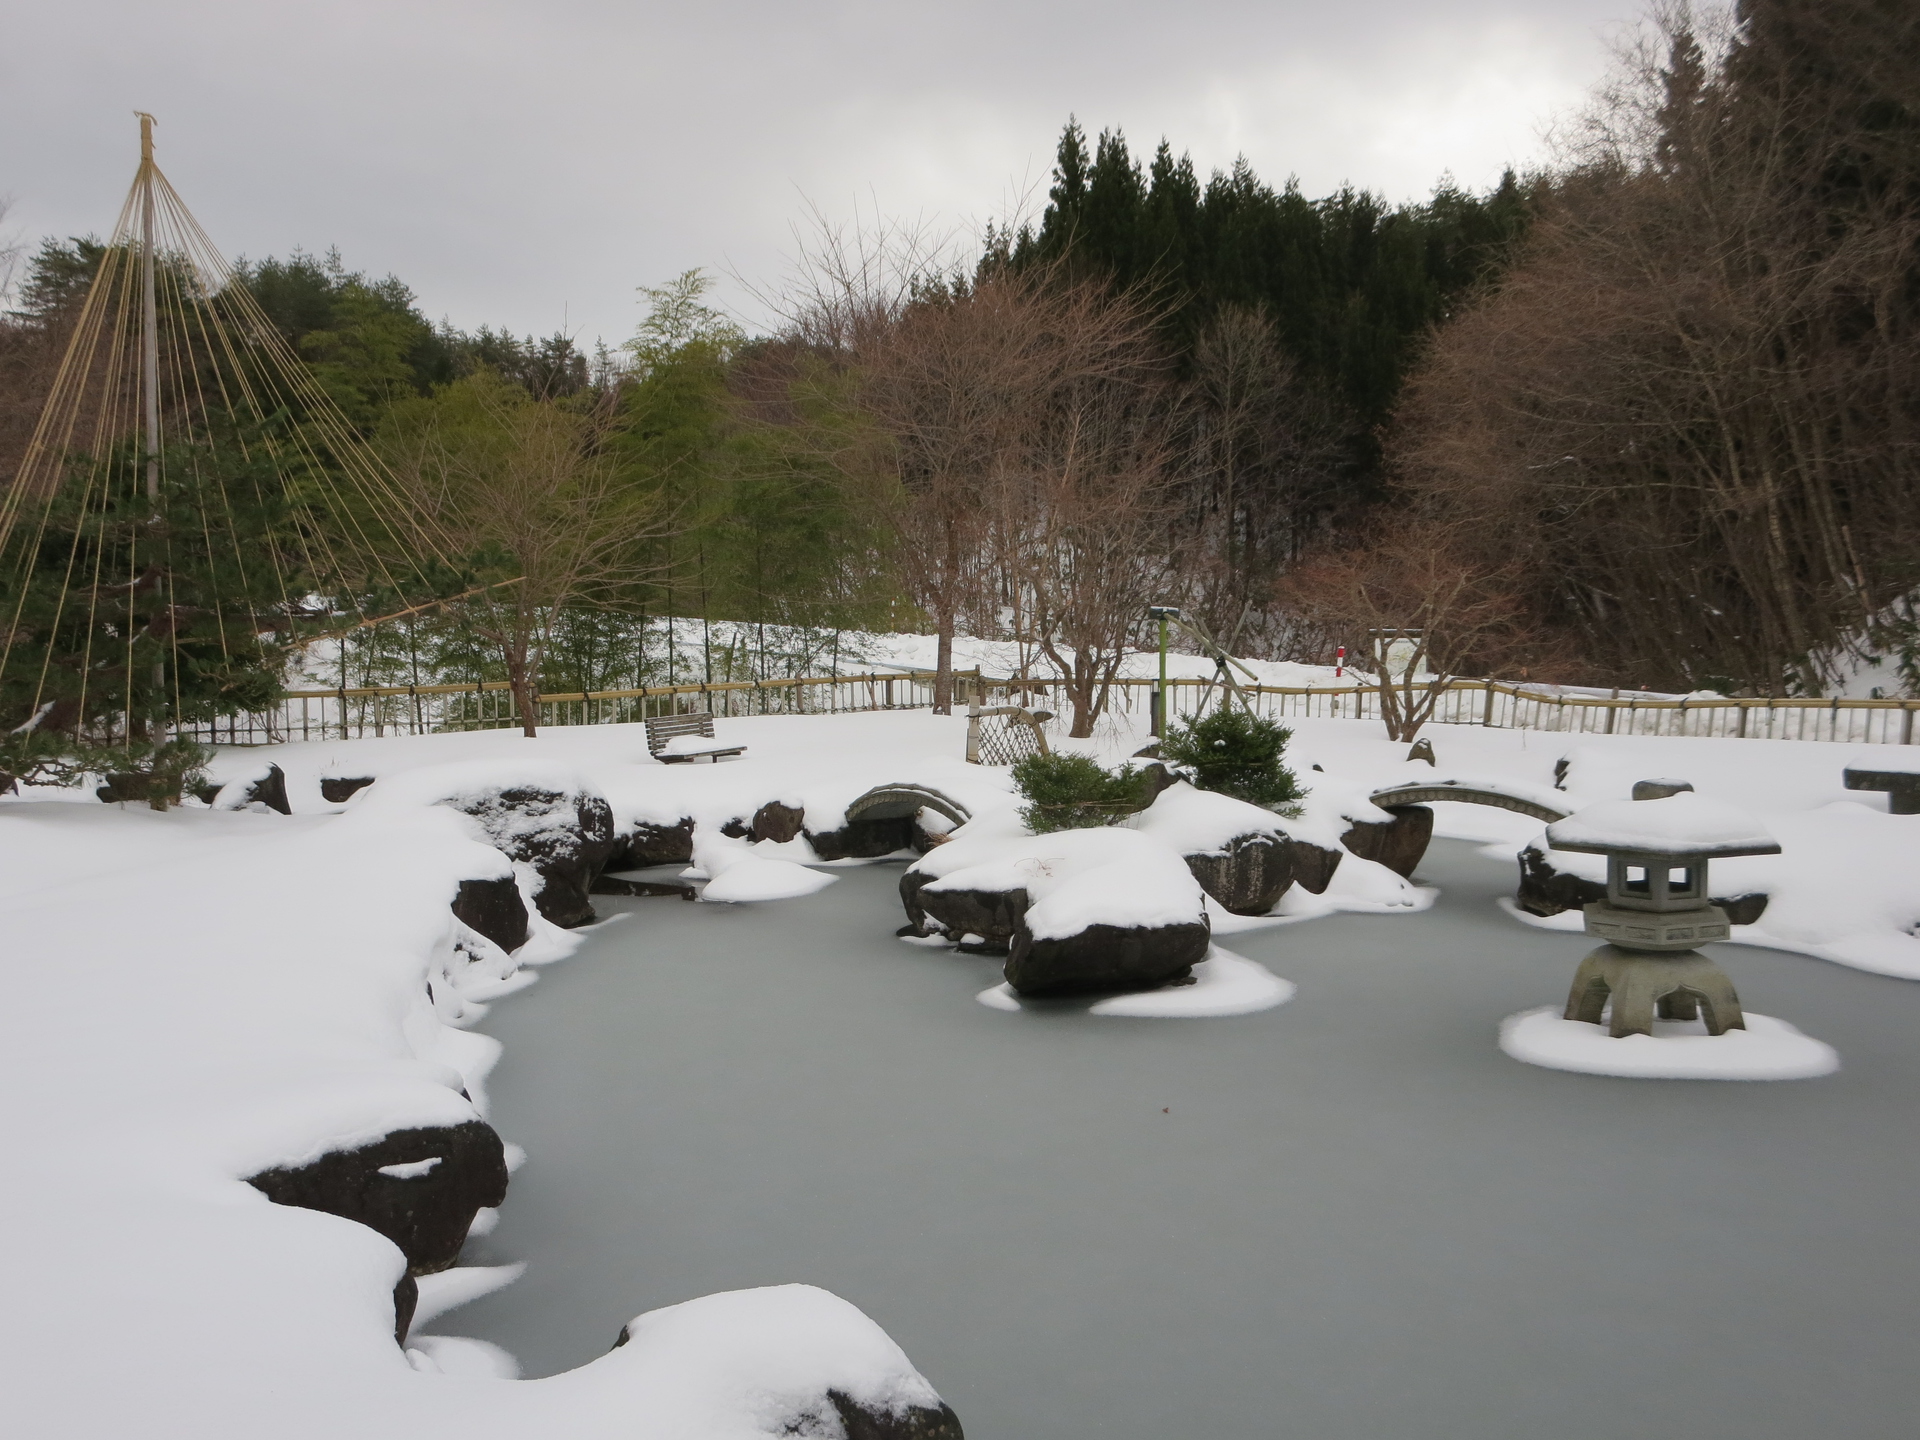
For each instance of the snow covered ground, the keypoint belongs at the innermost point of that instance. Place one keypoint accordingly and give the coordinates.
(195, 996)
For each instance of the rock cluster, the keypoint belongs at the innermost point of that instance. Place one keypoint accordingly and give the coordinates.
(565, 837)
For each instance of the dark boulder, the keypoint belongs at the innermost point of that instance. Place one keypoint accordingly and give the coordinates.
(993, 915)
(1399, 844)
(777, 821)
(1743, 909)
(566, 838)
(338, 789)
(269, 790)
(494, 909)
(1545, 890)
(655, 844)
(1313, 866)
(426, 1213)
(1102, 959)
(1249, 876)
(637, 889)
(916, 1422)
(406, 1300)
(866, 839)
(119, 789)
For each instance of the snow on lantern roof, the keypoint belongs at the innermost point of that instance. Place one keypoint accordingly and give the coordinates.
(1676, 825)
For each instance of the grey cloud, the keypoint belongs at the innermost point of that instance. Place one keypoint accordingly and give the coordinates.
(529, 164)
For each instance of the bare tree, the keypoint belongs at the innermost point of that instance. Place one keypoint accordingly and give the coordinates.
(1692, 408)
(1416, 576)
(1260, 473)
(524, 491)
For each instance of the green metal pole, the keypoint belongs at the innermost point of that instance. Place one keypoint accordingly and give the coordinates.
(1160, 696)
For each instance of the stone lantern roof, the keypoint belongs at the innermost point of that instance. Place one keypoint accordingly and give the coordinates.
(1681, 827)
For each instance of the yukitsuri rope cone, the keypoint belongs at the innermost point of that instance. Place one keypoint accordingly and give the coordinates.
(192, 506)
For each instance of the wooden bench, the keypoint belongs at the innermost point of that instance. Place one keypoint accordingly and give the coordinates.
(663, 730)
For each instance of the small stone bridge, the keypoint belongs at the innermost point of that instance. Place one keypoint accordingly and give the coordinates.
(1471, 792)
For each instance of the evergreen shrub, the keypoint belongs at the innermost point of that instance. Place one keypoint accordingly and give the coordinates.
(1233, 752)
(1074, 792)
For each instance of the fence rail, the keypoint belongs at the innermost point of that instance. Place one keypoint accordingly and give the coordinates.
(350, 712)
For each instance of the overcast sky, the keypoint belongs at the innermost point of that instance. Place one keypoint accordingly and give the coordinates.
(528, 164)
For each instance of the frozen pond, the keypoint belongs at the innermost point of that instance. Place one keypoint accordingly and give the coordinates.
(1350, 1218)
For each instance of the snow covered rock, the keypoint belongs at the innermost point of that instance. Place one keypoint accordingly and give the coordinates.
(493, 908)
(338, 789)
(777, 821)
(990, 917)
(264, 785)
(1084, 911)
(1099, 958)
(1399, 844)
(563, 833)
(1248, 875)
(1238, 852)
(653, 843)
(783, 1360)
(1313, 865)
(420, 1188)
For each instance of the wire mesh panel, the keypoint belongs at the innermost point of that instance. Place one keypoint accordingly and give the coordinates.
(1005, 739)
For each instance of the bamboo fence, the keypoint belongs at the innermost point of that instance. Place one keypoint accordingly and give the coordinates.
(349, 713)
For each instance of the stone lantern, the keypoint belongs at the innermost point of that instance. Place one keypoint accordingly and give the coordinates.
(1657, 911)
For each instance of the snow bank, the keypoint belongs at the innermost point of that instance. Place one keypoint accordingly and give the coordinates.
(193, 997)
(1768, 1049)
(735, 873)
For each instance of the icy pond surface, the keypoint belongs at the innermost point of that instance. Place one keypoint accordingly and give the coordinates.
(1348, 1218)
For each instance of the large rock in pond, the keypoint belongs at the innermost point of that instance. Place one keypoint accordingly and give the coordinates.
(1104, 958)
(866, 839)
(653, 843)
(1082, 911)
(911, 1422)
(1313, 865)
(1249, 876)
(1545, 889)
(419, 1188)
(777, 821)
(782, 1360)
(494, 909)
(991, 916)
(565, 836)
(1238, 852)
(1399, 844)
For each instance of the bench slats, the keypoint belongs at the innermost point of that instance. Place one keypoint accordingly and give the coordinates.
(663, 729)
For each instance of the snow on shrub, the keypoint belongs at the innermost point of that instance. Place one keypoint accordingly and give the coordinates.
(1234, 752)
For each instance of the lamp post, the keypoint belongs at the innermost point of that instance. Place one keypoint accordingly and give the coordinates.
(1657, 909)
(1162, 613)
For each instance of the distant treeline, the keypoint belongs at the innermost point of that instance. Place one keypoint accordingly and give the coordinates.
(1351, 284)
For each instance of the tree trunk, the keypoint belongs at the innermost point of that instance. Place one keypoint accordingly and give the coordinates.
(525, 698)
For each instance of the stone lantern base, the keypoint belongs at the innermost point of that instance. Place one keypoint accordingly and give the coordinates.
(1675, 930)
(1686, 986)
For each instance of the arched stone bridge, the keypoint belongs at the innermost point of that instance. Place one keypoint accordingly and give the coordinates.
(1471, 792)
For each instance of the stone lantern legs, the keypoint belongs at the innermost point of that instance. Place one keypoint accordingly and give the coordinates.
(1687, 986)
